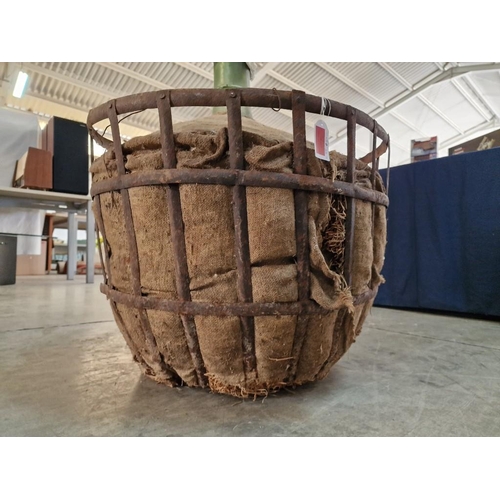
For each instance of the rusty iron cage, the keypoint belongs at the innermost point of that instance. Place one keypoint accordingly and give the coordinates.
(239, 178)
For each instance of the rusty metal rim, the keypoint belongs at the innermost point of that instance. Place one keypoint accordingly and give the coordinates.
(238, 178)
(307, 307)
(263, 98)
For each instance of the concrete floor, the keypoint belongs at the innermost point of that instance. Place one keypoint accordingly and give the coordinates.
(65, 370)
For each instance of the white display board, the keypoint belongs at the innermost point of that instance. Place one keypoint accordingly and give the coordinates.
(18, 131)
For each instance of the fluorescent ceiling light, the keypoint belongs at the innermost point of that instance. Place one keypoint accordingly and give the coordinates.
(22, 79)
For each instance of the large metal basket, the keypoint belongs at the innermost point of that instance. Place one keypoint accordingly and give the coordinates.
(299, 103)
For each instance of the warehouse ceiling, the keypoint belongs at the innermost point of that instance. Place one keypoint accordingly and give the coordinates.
(454, 101)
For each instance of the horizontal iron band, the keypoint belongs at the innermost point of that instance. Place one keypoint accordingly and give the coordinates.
(238, 178)
(235, 309)
(259, 98)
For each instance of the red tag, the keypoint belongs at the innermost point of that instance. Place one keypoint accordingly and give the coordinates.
(321, 149)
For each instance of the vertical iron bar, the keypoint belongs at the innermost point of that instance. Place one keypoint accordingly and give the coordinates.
(177, 233)
(300, 167)
(127, 210)
(301, 221)
(373, 178)
(242, 246)
(374, 155)
(388, 165)
(132, 243)
(351, 202)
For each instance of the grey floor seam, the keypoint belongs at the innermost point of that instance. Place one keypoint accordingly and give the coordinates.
(56, 326)
(433, 338)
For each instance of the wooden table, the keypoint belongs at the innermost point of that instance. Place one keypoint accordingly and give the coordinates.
(60, 202)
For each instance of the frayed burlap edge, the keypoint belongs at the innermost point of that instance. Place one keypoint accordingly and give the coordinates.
(253, 390)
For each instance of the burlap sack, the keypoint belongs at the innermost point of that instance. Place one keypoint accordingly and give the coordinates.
(207, 214)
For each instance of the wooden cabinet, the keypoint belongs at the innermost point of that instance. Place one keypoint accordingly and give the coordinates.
(34, 170)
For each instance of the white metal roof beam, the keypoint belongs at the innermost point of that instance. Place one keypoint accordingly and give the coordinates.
(287, 82)
(360, 90)
(470, 83)
(59, 77)
(404, 82)
(144, 79)
(483, 110)
(133, 74)
(263, 72)
(407, 123)
(432, 79)
(438, 112)
(389, 69)
(79, 84)
(480, 109)
(366, 94)
(195, 69)
(469, 134)
(69, 80)
(476, 92)
(424, 99)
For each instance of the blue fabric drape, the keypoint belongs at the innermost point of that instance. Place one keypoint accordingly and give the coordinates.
(443, 248)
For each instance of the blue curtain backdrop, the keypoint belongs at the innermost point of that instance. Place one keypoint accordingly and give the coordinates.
(443, 241)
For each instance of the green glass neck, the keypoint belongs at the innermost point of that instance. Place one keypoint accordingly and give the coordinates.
(231, 75)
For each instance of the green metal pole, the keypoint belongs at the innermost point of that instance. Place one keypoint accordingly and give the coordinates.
(232, 75)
